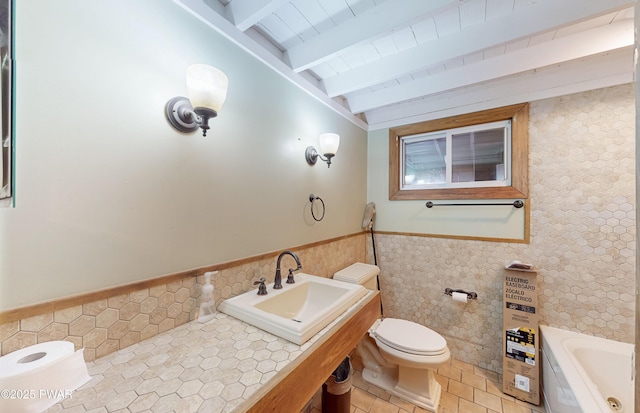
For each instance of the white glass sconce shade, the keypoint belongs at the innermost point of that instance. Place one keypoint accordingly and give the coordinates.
(329, 143)
(207, 89)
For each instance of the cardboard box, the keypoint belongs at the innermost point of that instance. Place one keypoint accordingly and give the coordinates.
(521, 335)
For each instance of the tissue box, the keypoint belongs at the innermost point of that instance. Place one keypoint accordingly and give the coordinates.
(521, 335)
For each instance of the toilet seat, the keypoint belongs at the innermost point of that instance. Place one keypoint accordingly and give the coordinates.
(408, 337)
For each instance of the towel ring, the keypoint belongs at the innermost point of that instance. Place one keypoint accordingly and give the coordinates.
(312, 199)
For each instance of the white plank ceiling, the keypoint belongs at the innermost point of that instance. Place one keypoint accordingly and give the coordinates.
(384, 63)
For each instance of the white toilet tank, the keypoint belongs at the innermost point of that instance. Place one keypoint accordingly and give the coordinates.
(359, 273)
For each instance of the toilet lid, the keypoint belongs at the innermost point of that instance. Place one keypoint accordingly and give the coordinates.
(409, 337)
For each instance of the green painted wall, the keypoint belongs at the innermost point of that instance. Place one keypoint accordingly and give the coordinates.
(107, 193)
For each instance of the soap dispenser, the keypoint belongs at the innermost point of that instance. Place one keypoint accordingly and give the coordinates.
(207, 303)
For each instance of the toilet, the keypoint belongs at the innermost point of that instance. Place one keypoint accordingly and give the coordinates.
(399, 356)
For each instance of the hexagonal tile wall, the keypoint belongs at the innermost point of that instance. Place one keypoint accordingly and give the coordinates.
(582, 206)
(104, 326)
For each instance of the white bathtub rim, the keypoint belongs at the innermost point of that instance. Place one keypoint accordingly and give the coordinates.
(570, 367)
(573, 371)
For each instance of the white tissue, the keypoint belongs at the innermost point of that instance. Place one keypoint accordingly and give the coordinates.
(459, 297)
(37, 377)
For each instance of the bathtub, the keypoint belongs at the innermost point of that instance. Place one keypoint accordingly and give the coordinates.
(585, 374)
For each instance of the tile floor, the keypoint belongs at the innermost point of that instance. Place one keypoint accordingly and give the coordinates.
(465, 389)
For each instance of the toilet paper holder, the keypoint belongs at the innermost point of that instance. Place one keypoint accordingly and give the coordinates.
(470, 295)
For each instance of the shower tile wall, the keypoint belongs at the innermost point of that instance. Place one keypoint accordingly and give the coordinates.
(582, 205)
(104, 326)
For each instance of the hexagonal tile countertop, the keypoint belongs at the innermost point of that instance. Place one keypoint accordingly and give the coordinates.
(212, 367)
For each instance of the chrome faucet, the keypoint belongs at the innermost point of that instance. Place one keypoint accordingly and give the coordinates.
(277, 282)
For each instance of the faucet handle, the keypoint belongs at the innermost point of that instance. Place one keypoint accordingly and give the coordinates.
(290, 279)
(262, 289)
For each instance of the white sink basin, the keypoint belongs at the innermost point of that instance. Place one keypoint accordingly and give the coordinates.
(297, 311)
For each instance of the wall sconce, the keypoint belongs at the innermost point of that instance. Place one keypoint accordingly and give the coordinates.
(329, 143)
(207, 90)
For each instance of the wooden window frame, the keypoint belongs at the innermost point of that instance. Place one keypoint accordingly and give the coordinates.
(519, 116)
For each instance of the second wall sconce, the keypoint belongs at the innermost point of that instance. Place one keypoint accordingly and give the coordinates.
(329, 143)
(207, 91)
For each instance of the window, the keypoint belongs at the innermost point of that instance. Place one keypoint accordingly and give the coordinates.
(473, 156)
(481, 155)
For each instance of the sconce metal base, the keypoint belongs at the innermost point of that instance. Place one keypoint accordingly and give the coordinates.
(204, 114)
(179, 113)
(311, 155)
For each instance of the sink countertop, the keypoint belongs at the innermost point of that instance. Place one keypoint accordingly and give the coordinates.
(215, 367)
